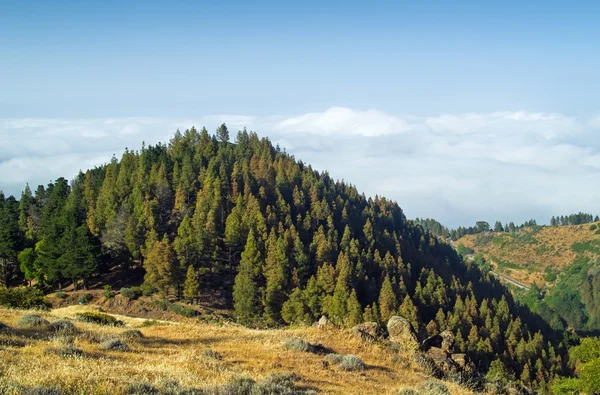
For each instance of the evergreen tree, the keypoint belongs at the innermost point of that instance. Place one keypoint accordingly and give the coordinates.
(246, 293)
(191, 288)
(161, 267)
(388, 302)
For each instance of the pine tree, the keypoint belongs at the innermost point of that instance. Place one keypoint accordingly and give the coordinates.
(337, 309)
(246, 293)
(161, 267)
(388, 302)
(276, 266)
(191, 288)
(355, 311)
(409, 311)
(295, 310)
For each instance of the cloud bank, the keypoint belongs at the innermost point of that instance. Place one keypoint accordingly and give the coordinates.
(457, 168)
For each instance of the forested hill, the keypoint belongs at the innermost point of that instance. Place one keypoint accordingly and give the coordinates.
(298, 243)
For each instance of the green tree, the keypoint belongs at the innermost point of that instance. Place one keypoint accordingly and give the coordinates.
(246, 293)
(161, 267)
(191, 288)
(388, 302)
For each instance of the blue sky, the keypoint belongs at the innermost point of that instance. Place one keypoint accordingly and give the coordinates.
(349, 69)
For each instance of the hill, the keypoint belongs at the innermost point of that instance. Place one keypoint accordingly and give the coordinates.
(281, 243)
(560, 262)
(180, 356)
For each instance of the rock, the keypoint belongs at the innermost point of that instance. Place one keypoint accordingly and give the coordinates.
(366, 331)
(447, 341)
(465, 365)
(431, 341)
(441, 359)
(401, 331)
(323, 323)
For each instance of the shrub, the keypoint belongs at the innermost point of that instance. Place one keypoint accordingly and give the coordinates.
(184, 311)
(431, 387)
(108, 292)
(98, 318)
(212, 354)
(406, 391)
(593, 227)
(278, 383)
(147, 289)
(142, 388)
(66, 351)
(33, 321)
(236, 386)
(132, 334)
(132, 293)
(23, 298)
(60, 295)
(84, 299)
(42, 390)
(334, 358)
(351, 363)
(297, 344)
(114, 344)
(64, 326)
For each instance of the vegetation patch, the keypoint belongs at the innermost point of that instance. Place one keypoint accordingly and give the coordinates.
(23, 298)
(65, 351)
(60, 295)
(114, 344)
(165, 305)
(132, 335)
(64, 326)
(132, 293)
(346, 362)
(99, 318)
(297, 344)
(212, 354)
(433, 387)
(33, 321)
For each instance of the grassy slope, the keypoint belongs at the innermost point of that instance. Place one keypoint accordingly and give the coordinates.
(175, 351)
(530, 254)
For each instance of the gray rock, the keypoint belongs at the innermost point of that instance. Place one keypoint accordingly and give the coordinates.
(447, 341)
(401, 331)
(366, 331)
(324, 323)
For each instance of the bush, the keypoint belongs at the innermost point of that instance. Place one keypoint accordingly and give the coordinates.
(236, 386)
(147, 289)
(297, 344)
(114, 344)
(60, 295)
(67, 351)
(33, 321)
(406, 391)
(431, 387)
(132, 293)
(108, 292)
(84, 299)
(132, 334)
(99, 318)
(23, 298)
(184, 311)
(64, 326)
(334, 358)
(351, 363)
(143, 388)
(593, 227)
(42, 390)
(212, 354)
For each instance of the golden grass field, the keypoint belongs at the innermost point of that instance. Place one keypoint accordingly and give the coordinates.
(532, 251)
(177, 351)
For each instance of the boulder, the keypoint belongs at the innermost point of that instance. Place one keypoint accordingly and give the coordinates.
(441, 360)
(447, 341)
(431, 341)
(323, 323)
(401, 331)
(465, 365)
(366, 331)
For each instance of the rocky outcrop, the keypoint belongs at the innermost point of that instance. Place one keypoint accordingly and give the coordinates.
(324, 323)
(402, 332)
(367, 331)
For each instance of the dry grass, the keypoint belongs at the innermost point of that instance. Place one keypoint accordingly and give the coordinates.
(178, 352)
(532, 251)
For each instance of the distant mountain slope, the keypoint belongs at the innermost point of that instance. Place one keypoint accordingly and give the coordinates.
(562, 261)
(535, 255)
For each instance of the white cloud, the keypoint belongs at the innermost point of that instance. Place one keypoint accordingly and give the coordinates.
(458, 168)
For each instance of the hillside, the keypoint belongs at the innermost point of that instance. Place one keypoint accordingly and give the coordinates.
(559, 260)
(535, 255)
(278, 242)
(179, 356)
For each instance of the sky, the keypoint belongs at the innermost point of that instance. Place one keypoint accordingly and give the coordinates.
(460, 111)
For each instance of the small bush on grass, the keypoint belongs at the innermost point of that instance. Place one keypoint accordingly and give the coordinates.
(351, 363)
(132, 293)
(23, 298)
(64, 326)
(42, 390)
(346, 362)
(432, 387)
(33, 321)
(11, 343)
(212, 354)
(114, 344)
(147, 289)
(132, 335)
(60, 295)
(236, 386)
(99, 318)
(65, 351)
(406, 391)
(141, 388)
(297, 344)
